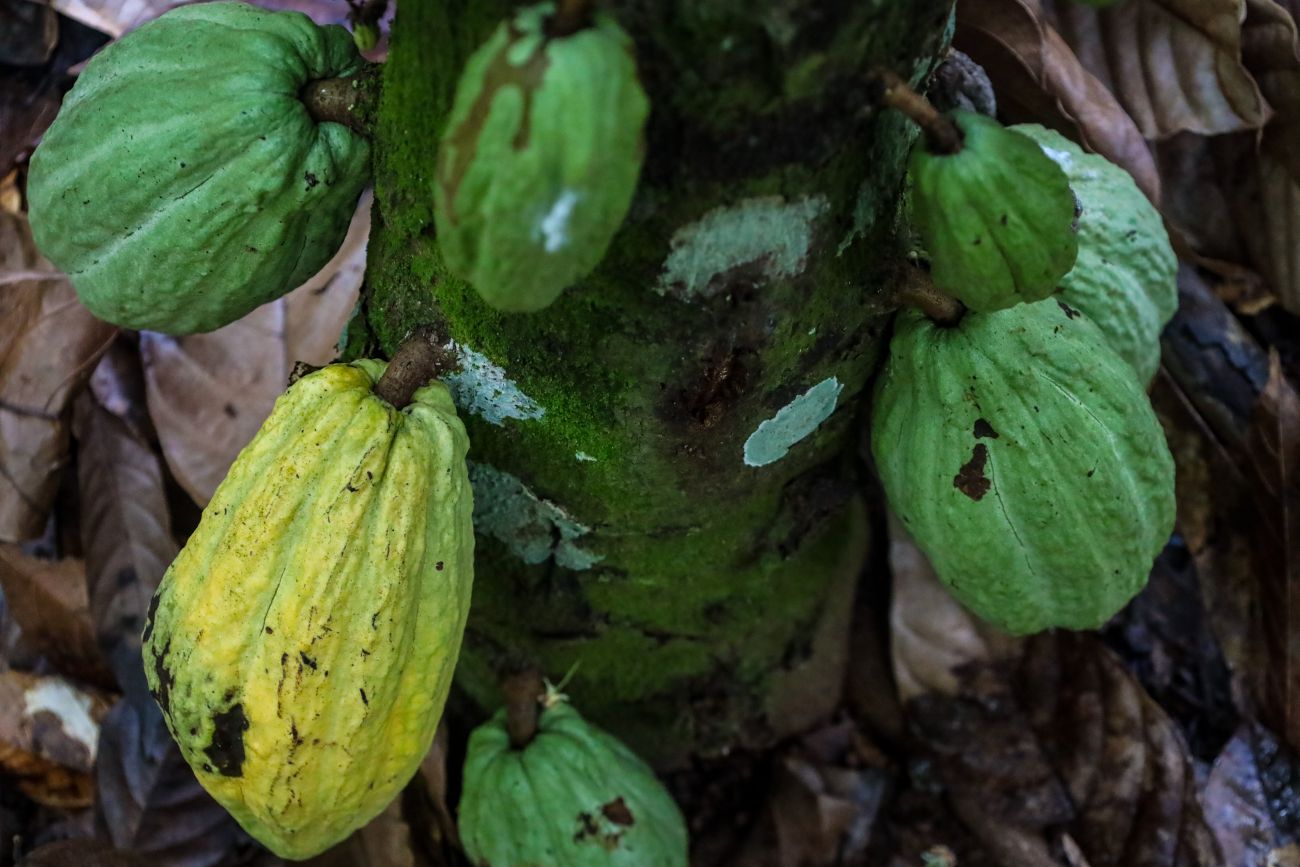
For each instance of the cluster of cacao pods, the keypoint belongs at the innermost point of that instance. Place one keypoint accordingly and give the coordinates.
(211, 188)
(1016, 443)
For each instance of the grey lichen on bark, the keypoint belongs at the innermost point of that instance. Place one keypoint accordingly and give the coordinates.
(665, 458)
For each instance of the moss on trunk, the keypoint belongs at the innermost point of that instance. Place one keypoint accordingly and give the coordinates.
(664, 458)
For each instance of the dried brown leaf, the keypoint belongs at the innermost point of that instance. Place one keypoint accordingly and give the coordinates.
(1213, 373)
(28, 33)
(1050, 733)
(48, 600)
(209, 393)
(1271, 51)
(433, 826)
(1038, 79)
(1273, 450)
(49, 730)
(49, 345)
(384, 842)
(126, 531)
(148, 799)
(1175, 65)
(1250, 799)
(1270, 210)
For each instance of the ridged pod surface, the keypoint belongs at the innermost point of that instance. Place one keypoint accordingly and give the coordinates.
(575, 796)
(1023, 456)
(997, 217)
(302, 644)
(1126, 275)
(183, 182)
(540, 159)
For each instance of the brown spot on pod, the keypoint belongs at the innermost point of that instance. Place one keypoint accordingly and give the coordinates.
(970, 479)
(226, 751)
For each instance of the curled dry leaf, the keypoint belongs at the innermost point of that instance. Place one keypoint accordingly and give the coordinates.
(822, 804)
(49, 731)
(1267, 206)
(433, 826)
(49, 345)
(148, 799)
(126, 530)
(1271, 51)
(47, 598)
(1175, 65)
(209, 393)
(1038, 79)
(1235, 435)
(1251, 799)
(1049, 733)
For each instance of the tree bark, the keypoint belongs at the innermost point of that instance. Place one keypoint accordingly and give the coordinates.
(638, 511)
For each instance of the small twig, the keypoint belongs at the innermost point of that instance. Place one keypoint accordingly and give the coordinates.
(351, 101)
(417, 362)
(942, 135)
(570, 17)
(918, 291)
(523, 693)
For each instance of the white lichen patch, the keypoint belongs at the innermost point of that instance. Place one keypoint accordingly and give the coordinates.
(583, 456)
(769, 234)
(774, 437)
(71, 706)
(554, 227)
(531, 527)
(483, 388)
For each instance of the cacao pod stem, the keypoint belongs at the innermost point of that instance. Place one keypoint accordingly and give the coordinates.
(420, 359)
(523, 692)
(916, 289)
(351, 100)
(941, 133)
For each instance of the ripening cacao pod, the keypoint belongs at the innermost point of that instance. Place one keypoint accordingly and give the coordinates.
(1023, 456)
(183, 182)
(302, 644)
(996, 217)
(574, 796)
(1125, 277)
(540, 158)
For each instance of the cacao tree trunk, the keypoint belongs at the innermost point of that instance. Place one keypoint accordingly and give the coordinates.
(665, 459)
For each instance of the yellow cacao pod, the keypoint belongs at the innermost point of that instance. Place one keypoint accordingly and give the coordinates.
(302, 644)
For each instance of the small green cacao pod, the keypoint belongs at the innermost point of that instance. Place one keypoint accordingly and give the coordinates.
(540, 158)
(1023, 456)
(997, 216)
(302, 644)
(574, 796)
(183, 182)
(1125, 277)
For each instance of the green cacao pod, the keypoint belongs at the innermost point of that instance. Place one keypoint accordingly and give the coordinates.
(1023, 456)
(183, 182)
(997, 216)
(575, 796)
(540, 158)
(302, 644)
(1126, 275)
